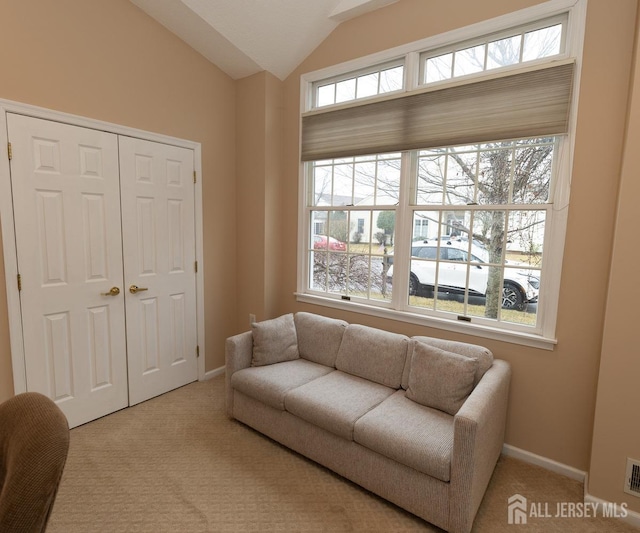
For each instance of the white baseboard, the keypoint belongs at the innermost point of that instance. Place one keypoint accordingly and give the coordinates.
(213, 373)
(544, 462)
(631, 517)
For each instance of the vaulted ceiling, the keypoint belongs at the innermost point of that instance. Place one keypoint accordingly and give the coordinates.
(243, 37)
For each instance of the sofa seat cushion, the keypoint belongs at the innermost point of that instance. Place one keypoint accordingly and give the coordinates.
(409, 433)
(269, 384)
(334, 402)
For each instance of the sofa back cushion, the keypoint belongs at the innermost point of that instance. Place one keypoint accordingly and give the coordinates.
(319, 337)
(373, 354)
(480, 353)
(274, 341)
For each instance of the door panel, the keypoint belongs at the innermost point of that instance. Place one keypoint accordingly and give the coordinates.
(66, 190)
(159, 247)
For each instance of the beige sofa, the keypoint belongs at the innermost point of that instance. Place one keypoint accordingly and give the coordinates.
(418, 421)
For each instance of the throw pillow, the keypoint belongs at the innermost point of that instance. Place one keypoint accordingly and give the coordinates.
(274, 341)
(440, 379)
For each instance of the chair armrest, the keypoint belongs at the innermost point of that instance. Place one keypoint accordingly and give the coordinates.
(478, 438)
(238, 352)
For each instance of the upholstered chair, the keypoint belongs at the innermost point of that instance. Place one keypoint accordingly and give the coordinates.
(34, 441)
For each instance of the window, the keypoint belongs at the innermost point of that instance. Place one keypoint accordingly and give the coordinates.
(354, 198)
(543, 39)
(445, 205)
(369, 82)
(500, 192)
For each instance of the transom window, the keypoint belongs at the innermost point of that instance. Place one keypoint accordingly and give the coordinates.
(446, 206)
(541, 40)
(382, 79)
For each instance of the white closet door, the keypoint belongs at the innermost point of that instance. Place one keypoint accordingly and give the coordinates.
(66, 195)
(159, 249)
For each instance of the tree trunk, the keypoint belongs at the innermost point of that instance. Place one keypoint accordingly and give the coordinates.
(494, 282)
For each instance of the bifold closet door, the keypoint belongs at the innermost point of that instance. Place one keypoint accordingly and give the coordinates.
(105, 240)
(66, 196)
(158, 220)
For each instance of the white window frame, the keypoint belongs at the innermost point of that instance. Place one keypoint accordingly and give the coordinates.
(544, 336)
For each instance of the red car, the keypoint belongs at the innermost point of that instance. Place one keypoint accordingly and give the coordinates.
(320, 243)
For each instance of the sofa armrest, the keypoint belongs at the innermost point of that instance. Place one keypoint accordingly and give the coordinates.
(238, 352)
(478, 438)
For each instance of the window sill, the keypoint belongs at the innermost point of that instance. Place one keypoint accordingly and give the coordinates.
(513, 337)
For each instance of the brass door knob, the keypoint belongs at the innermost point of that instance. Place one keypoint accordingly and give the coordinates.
(114, 291)
(134, 288)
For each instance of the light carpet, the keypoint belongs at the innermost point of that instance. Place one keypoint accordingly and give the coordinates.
(176, 463)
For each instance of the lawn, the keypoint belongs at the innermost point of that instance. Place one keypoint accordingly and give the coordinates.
(475, 308)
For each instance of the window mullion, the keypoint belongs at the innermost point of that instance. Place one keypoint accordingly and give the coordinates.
(412, 71)
(404, 224)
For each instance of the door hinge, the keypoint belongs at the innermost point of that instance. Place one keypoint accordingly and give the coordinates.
(195, 266)
(10, 151)
(194, 176)
(19, 282)
(197, 351)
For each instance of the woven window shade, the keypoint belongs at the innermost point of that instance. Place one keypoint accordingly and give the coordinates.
(526, 104)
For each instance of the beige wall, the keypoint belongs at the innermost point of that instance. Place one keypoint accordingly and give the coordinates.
(110, 61)
(250, 182)
(617, 432)
(553, 392)
(259, 176)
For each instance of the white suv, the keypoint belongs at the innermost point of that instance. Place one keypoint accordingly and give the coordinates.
(520, 286)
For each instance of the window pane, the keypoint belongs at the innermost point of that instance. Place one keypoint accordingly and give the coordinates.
(338, 230)
(365, 183)
(438, 68)
(488, 245)
(392, 79)
(431, 171)
(322, 185)
(326, 95)
(494, 173)
(345, 90)
(388, 182)
(469, 60)
(520, 296)
(429, 221)
(318, 279)
(532, 173)
(367, 85)
(504, 52)
(489, 235)
(525, 238)
(542, 43)
(342, 184)
(461, 177)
